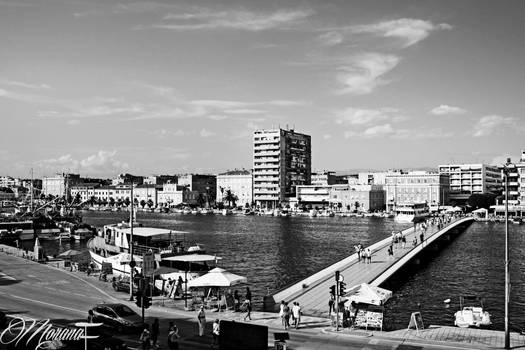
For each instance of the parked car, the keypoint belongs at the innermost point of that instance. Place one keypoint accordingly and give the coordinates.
(118, 316)
(123, 286)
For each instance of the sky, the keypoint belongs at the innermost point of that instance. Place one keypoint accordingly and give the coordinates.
(101, 87)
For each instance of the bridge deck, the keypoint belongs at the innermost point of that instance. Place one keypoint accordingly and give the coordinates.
(313, 292)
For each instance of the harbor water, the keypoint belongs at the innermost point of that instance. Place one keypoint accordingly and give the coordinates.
(274, 252)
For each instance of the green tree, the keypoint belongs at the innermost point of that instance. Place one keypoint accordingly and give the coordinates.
(150, 203)
(142, 203)
(119, 202)
(481, 200)
(230, 198)
(127, 202)
(111, 201)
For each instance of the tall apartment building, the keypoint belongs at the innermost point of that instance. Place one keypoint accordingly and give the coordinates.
(282, 159)
(239, 182)
(417, 187)
(467, 179)
(521, 172)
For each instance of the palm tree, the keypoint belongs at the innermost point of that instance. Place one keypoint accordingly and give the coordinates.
(111, 201)
(150, 203)
(127, 202)
(230, 198)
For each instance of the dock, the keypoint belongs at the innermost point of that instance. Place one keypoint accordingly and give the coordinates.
(313, 292)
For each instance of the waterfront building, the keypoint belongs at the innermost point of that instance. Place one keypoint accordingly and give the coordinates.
(60, 184)
(122, 179)
(173, 194)
(376, 177)
(85, 191)
(516, 190)
(239, 182)
(468, 179)
(417, 187)
(6, 194)
(360, 197)
(8, 181)
(313, 195)
(324, 178)
(146, 194)
(203, 184)
(282, 160)
(160, 179)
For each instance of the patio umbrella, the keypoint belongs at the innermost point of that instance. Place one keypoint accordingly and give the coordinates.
(69, 253)
(368, 294)
(217, 278)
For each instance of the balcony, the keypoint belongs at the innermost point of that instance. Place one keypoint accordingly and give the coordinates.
(266, 166)
(266, 140)
(266, 153)
(266, 147)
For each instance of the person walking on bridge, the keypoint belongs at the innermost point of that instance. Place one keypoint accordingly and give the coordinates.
(368, 256)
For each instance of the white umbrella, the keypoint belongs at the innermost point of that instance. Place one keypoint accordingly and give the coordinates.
(217, 278)
(367, 294)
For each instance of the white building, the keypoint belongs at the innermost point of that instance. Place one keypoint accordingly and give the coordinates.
(8, 181)
(146, 193)
(362, 198)
(58, 185)
(281, 161)
(240, 183)
(417, 187)
(468, 179)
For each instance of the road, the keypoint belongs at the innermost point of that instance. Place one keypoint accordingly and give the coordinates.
(32, 290)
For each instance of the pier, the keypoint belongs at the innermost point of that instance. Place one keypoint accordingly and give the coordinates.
(313, 292)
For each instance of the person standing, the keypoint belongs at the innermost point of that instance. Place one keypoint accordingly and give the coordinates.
(286, 316)
(215, 333)
(91, 317)
(145, 338)
(201, 319)
(356, 249)
(281, 312)
(236, 301)
(248, 309)
(331, 304)
(155, 332)
(248, 294)
(173, 337)
(296, 312)
(368, 256)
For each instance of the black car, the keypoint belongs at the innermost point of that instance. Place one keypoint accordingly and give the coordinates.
(118, 316)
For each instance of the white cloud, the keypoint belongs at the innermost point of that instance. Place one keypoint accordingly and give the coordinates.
(363, 116)
(24, 85)
(364, 73)
(327, 136)
(244, 111)
(490, 124)
(206, 133)
(387, 130)
(331, 38)
(410, 30)
(447, 110)
(100, 162)
(202, 18)
(163, 133)
(217, 117)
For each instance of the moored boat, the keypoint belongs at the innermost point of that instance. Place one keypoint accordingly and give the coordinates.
(471, 313)
(411, 212)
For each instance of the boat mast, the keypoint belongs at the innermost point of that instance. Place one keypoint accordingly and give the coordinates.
(32, 190)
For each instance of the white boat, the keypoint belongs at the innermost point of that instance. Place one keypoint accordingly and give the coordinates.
(326, 213)
(411, 212)
(268, 212)
(227, 212)
(471, 313)
(312, 213)
(516, 221)
(205, 211)
(112, 245)
(195, 211)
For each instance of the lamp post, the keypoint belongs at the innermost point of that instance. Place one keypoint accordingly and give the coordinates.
(505, 173)
(132, 263)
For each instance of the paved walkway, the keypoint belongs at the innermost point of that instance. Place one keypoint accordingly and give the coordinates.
(313, 292)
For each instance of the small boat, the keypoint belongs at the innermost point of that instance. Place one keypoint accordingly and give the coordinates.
(195, 212)
(411, 212)
(471, 313)
(312, 213)
(326, 213)
(248, 211)
(516, 221)
(268, 212)
(227, 212)
(205, 211)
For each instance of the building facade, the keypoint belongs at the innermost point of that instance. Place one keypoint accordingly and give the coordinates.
(204, 185)
(417, 187)
(361, 198)
(60, 184)
(147, 194)
(468, 179)
(240, 183)
(160, 179)
(282, 160)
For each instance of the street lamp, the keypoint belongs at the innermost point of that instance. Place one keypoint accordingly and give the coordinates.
(132, 263)
(505, 174)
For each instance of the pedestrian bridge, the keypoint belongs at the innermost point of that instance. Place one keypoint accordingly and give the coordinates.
(313, 292)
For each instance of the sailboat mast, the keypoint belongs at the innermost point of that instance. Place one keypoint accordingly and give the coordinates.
(32, 189)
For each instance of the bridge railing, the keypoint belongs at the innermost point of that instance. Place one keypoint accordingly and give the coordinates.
(326, 273)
